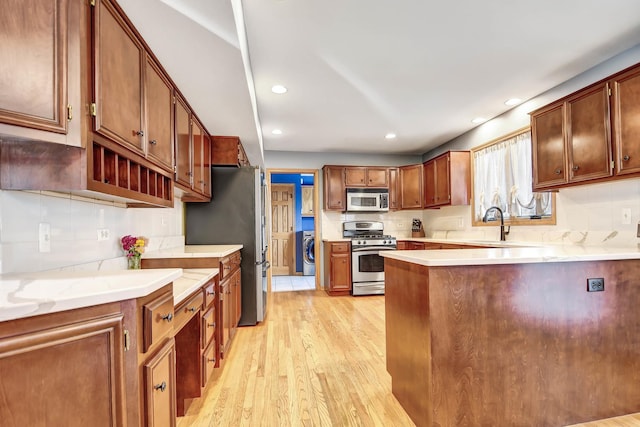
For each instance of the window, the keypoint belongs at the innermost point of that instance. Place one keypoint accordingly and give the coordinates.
(502, 177)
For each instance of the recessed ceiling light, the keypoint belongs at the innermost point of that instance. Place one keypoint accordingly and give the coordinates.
(390, 136)
(276, 132)
(478, 120)
(512, 101)
(279, 89)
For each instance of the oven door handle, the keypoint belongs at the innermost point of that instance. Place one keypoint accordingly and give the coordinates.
(372, 249)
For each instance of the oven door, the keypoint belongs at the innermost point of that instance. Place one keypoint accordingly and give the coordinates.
(367, 265)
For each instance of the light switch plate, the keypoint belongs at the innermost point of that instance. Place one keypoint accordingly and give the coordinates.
(626, 216)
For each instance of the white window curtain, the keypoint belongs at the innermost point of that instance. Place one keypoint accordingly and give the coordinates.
(503, 178)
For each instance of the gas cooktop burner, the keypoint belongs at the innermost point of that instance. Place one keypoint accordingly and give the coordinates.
(372, 236)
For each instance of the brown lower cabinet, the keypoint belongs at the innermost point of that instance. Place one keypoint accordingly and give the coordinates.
(337, 268)
(107, 365)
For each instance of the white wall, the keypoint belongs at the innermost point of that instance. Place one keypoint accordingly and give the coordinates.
(589, 214)
(74, 223)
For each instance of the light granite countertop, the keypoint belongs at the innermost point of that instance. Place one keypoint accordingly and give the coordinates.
(194, 251)
(471, 242)
(191, 280)
(514, 255)
(32, 294)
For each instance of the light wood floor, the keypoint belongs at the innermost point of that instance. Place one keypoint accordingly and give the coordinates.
(315, 361)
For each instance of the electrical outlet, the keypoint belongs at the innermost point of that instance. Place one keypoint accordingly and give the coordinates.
(400, 225)
(44, 237)
(626, 216)
(595, 285)
(103, 234)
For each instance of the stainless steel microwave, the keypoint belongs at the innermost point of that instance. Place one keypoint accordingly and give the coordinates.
(367, 200)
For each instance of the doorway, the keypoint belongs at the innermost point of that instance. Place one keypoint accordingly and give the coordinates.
(290, 270)
(282, 234)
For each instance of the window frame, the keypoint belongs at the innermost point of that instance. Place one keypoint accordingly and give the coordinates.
(550, 220)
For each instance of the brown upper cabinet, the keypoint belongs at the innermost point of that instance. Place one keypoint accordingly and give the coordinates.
(394, 189)
(95, 89)
(228, 151)
(360, 176)
(447, 180)
(335, 197)
(411, 187)
(576, 138)
(41, 89)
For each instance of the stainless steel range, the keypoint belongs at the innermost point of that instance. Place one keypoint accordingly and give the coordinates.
(367, 265)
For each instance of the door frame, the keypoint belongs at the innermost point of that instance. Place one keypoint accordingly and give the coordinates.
(316, 216)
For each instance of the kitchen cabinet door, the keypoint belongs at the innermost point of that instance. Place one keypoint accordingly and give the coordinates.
(118, 80)
(307, 200)
(33, 73)
(588, 140)
(429, 170)
(394, 189)
(64, 369)
(183, 143)
(337, 268)
(378, 177)
(335, 197)
(411, 186)
(548, 147)
(159, 109)
(626, 125)
(447, 179)
(160, 387)
(355, 176)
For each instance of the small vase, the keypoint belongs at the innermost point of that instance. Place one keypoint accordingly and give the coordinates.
(133, 262)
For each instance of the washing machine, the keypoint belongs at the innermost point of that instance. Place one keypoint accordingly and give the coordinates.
(308, 253)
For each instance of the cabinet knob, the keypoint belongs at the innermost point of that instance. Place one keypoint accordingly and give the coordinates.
(168, 317)
(558, 171)
(153, 142)
(139, 132)
(162, 386)
(575, 168)
(626, 158)
(192, 309)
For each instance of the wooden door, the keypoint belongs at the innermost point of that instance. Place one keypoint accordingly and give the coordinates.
(160, 389)
(159, 115)
(411, 186)
(378, 177)
(183, 143)
(118, 69)
(626, 126)
(335, 197)
(282, 232)
(442, 180)
(70, 374)
(33, 72)
(394, 190)
(588, 140)
(548, 147)
(429, 184)
(355, 176)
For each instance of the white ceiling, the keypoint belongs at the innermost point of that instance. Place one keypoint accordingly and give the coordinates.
(359, 69)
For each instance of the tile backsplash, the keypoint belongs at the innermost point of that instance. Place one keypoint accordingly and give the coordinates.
(74, 224)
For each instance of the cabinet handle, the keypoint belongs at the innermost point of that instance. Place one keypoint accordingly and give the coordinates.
(575, 168)
(153, 142)
(211, 325)
(211, 360)
(558, 171)
(227, 267)
(212, 293)
(192, 309)
(139, 132)
(626, 158)
(168, 317)
(162, 386)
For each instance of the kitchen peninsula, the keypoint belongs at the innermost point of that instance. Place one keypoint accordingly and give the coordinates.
(511, 336)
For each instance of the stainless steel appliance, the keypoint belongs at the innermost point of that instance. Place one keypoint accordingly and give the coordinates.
(308, 253)
(235, 215)
(367, 265)
(367, 200)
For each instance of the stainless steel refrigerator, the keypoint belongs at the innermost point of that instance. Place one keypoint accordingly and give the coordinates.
(235, 215)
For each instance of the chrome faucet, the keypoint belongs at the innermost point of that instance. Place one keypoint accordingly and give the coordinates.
(503, 233)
